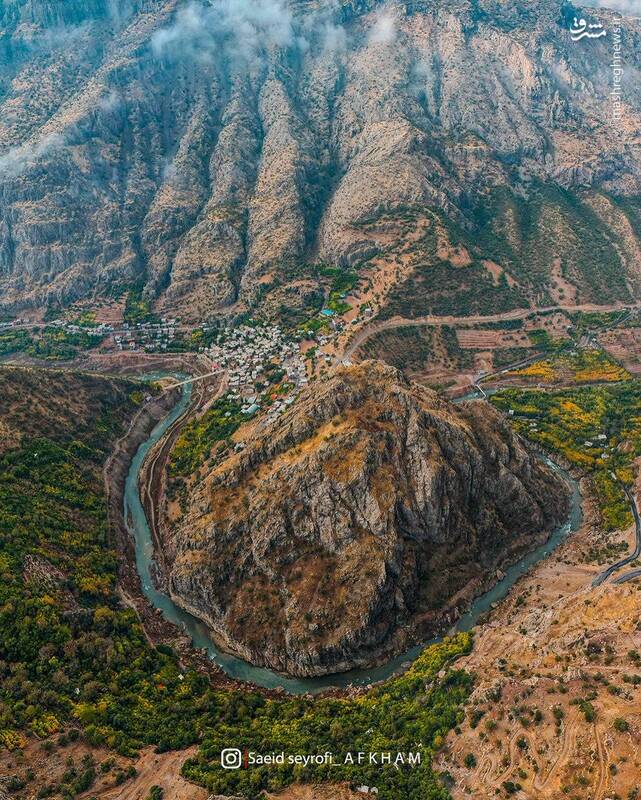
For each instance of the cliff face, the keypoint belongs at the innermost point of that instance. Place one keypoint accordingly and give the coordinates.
(344, 529)
(209, 151)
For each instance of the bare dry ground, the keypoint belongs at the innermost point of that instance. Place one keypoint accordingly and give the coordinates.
(556, 709)
(325, 792)
(112, 780)
(624, 345)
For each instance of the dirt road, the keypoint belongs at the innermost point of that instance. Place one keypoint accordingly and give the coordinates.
(373, 328)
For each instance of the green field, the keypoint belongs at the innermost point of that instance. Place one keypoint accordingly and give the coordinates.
(597, 429)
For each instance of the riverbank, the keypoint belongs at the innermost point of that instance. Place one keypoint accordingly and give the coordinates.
(115, 474)
(157, 629)
(162, 622)
(478, 594)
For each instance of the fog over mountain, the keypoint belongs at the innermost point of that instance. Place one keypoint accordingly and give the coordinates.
(209, 151)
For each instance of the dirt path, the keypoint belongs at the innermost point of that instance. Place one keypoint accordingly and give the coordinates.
(373, 328)
(603, 758)
(567, 746)
(155, 769)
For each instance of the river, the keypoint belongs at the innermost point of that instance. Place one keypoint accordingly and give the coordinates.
(242, 670)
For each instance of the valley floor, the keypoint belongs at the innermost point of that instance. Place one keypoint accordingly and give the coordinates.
(556, 709)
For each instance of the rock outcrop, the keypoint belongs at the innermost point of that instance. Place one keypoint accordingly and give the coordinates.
(210, 151)
(357, 523)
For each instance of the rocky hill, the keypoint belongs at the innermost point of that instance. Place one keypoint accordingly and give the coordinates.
(357, 522)
(210, 151)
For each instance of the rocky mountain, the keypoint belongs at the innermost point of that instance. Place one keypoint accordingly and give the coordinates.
(358, 521)
(210, 151)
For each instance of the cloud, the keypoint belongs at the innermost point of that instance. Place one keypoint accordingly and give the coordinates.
(320, 29)
(422, 78)
(110, 101)
(239, 30)
(334, 37)
(120, 10)
(16, 160)
(60, 37)
(384, 30)
(631, 7)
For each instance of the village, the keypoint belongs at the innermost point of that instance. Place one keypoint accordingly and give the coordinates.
(256, 358)
(264, 367)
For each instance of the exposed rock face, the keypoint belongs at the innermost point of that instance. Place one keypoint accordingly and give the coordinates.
(345, 529)
(211, 153)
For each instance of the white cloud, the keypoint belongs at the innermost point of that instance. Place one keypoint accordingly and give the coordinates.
(384, 29)
(18, 159)
(236, 29)
(60, 37)
(631, 7)
(119, 10)
(110, 101)
(334, 37)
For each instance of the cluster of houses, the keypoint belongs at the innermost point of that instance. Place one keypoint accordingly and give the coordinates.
(12, 324)
(149, 336)
(254, 357)
(74, 327)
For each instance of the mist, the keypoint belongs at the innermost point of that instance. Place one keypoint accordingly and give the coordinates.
(627, 7)
(238, 30)
(18, 159)
(384, 30)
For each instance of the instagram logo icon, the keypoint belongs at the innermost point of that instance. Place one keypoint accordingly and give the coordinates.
(231, 758)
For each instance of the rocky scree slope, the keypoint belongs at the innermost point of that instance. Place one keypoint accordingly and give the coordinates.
(208, 151)
(344, 530)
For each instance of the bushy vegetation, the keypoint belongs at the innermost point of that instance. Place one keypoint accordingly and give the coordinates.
(334, 284)
(410, 713)
(596, 428)
(542, 340)
(580, 366)
(587, 321)
(137, 308)
(505, 356)
(12, 341)
(414, 348)
(54, 344)
(408, 348)
(69, 653)
(437, 287)
(526, 234)
(199, 436)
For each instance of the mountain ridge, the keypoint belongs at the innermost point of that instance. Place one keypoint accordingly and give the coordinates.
(210, 156)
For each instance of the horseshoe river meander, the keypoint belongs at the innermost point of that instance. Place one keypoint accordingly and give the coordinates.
(241, 670)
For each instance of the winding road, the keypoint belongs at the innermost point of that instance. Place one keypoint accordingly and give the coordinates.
(373, 328)
(603, 576)
(635, 573)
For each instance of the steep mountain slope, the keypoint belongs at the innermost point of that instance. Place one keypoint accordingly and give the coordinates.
(211, 151)
(346, 528)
